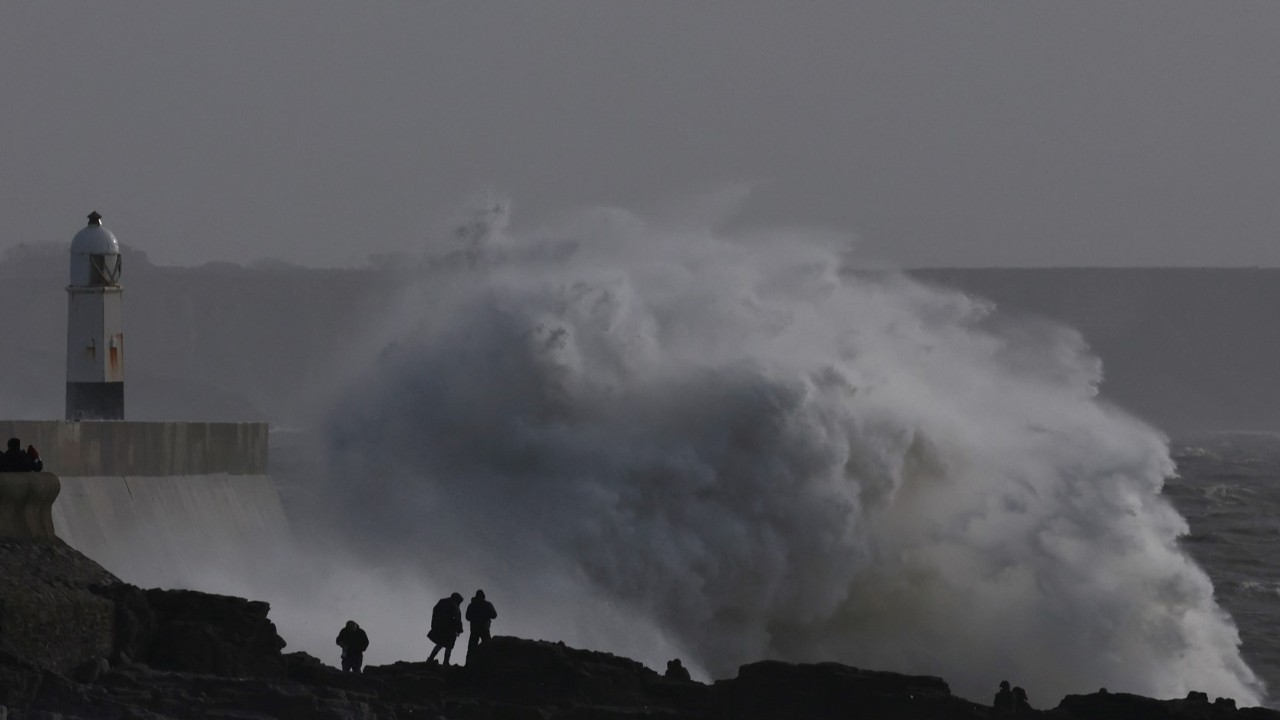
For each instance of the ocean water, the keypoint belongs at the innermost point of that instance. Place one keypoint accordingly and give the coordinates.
(1228, 488)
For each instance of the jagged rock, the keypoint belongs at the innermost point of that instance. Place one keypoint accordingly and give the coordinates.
(539, 672)
(48, 614)
(1118, 706)
(773, 689)
(90, 670)
(193, 631)
(184, 654)
(422, 684)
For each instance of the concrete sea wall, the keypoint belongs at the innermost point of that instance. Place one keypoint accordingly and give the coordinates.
(171, 531)
(161, 504)
(153, 449)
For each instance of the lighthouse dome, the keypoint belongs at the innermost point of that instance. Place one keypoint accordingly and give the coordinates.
(95, 255)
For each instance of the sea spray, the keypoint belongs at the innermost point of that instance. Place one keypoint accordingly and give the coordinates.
(658, 441)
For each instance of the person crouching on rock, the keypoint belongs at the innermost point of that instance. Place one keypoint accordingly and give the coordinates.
(446, 625)
(353, 641)
(480, 613)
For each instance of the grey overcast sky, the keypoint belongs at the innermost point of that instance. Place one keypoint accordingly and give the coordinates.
(956, 133)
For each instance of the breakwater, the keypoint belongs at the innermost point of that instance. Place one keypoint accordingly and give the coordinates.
(160, 503)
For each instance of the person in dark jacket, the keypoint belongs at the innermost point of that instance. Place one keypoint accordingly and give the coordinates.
(480, 613)
(1003, 701)
(33, 459)
(353, 641)
(14, 459)
(446, 625)
(1020, 702)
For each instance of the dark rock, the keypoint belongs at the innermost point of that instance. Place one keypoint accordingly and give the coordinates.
(19, 680)
(1124, 706)
(420, 683)
(218, 634)
(90, 670)
(185, 654)
(536, 672)
(773, 689)
(192, 631)
(48, 614)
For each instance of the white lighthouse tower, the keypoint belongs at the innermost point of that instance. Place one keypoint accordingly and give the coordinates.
(95, 326)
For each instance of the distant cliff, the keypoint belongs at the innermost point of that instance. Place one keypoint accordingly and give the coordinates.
(1187, 349)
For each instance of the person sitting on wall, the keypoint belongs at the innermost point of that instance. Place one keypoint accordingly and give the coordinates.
(354, 641)
(33, 456)
(14, 459)
(676, 670)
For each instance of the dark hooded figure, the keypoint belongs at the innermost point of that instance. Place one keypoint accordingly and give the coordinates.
(446, 625)
(14, 459)
(1004, 701)
(1020, 702)
(676, 671)
(480, 613)
(353, 641)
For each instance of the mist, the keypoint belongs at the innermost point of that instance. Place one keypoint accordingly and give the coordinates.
(661, 439)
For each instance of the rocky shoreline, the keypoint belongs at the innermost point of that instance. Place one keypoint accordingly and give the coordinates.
(76, 643)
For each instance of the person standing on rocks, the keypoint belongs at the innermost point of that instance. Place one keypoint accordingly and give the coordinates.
(1004, 701)
(446, 625)
(353, 641)
(676, 670)
(1020, 702)
(480, 613)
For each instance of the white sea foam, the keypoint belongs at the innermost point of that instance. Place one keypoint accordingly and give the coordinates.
(669, 440)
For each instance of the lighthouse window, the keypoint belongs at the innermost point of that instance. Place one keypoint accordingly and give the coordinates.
(106, 269)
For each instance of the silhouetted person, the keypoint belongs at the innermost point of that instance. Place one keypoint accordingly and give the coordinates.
(480, 613)
(33, 457)
(446, 625)
(1004, 702)
(353, 641)
(676, 671)
(14, 459)
(1020, 702)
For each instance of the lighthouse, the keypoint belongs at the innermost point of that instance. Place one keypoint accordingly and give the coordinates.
(95, 326)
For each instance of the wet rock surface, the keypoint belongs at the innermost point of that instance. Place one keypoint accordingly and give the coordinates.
(48, 611)
(515, 679)
(118, 652)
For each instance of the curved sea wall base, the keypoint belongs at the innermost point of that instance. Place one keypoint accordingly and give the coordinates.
(26, 505)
